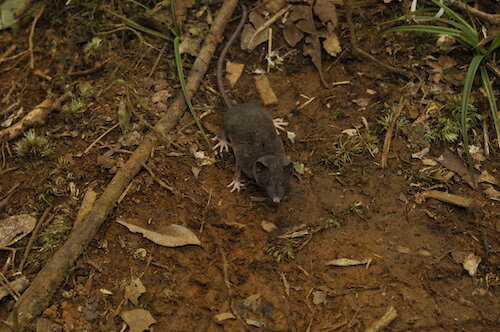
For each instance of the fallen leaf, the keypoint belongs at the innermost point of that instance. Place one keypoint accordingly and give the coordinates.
(191, 40)
(274, 5)
(350, 132)
(252, 302)
(253, 322)
(491, 192)
(403, 250)
(331, 44)
(249, 30)
(105, 291)
(453, 162)
(362, 102)
(172, 235)
(347, 262)
(470, 264)
(312, 48)
(487, 177)
(298, 167)
(420, 154)
(327, 13)
(292, 34)
(319, 297)
(133, 290)
(265, 90)
(14, 228)
(138, 320)
(233, 71)
(224, 316)
(268, 226)
(195, 171)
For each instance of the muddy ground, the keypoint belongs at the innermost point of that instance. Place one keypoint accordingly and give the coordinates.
(243, 267)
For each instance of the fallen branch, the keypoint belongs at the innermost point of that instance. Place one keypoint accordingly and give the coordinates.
(460, 201)
(492, 18)
(37, 296)
(35, 117)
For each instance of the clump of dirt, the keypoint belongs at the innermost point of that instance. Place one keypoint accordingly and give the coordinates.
(259, 264)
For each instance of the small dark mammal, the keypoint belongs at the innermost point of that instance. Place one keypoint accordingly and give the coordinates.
(251, 131)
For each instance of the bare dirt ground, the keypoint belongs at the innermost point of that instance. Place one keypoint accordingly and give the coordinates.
(357, 211)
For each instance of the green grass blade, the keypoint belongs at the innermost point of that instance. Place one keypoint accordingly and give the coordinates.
(492, 101)
(139, 27)
(426, 28)
(182, 81)
(454, 15)
(494, 45)
(159, 17)
(414, 14)
(177, 30)
(469, 80)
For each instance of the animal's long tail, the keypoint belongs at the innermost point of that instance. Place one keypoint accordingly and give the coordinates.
(220, 61)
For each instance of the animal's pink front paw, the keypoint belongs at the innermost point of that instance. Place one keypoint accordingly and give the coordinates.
(279, 124)
(236, 184)
(222, 145)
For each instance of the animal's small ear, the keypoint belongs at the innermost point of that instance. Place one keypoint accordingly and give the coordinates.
(260, 167)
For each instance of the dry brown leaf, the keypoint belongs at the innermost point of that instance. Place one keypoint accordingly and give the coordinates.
(319, 297)
(193, 37)
(331, 44)
(234, 71)
(292, 34)
(274, 5)
(268, 226)
(299, 13)
(133, 290)
(327, 13)
(265, 90)
(453, 162)
(362, 102)
(14, 228)
(491, 193)
(488, 178)
(172, 235)
(312, 48)
(250, 28)
(224, 316)
(305, 26)
(347, 262)
(470, 264)
(138, 320)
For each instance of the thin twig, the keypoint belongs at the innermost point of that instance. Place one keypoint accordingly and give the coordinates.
(269, 22)
(159, 181)
(389, 133)
(91, 70)
(34, 234)
(100, 137)
(32, 33)
(157, 61)
(356, 49)
(8, 287)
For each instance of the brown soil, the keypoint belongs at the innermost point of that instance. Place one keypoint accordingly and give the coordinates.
(410, 244)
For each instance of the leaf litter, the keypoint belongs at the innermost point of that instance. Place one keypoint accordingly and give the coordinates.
(171, 236)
